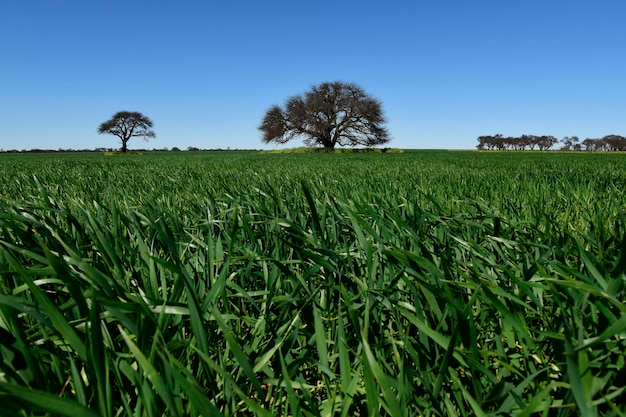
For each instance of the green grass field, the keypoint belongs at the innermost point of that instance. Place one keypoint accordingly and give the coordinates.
(425, 283)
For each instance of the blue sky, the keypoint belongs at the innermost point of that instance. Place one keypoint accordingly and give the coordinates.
(206, 71)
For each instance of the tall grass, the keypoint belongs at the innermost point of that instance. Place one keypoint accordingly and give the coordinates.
(313, 285)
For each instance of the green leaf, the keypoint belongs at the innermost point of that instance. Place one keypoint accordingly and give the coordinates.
(45, 402)
(151, 373)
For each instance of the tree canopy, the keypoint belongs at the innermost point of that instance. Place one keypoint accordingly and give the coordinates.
(127, 124)
(328, 114)
(499, 142)
(569, 143)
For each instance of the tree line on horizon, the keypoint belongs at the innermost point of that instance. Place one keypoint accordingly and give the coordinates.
(100, 150)
(499, 142)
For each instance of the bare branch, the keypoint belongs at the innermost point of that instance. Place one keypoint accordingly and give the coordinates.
(328, 114)
(125, 125)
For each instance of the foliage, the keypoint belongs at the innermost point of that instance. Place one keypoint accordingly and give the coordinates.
(524, 142)
(328, 115)
(126, 125)
(606, 143)
(544, 143)
(421, 283)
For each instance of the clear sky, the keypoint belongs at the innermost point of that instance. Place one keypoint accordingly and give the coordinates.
(205, 71)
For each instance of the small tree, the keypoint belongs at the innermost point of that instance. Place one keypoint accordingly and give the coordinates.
(327, 115)
(570, 143)
(128, 124)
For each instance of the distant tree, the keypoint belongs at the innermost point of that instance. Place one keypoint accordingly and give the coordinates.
(126, 124)
(327, 115)
(525, 142)
(482, 143)
(576, 144)
(588, 144)
(491, 142)
(546, 142)
(614, 142)
(521, 143)
(485, 142)
(570, 143)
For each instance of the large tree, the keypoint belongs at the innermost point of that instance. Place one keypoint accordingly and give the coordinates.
(329, 114)
(128, 124)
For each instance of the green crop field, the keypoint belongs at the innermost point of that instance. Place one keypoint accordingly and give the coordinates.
(425, 283)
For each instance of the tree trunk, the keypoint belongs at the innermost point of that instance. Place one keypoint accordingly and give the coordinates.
(327, 143)
(124, 148)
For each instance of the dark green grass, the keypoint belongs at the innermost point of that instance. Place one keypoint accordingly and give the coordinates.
(422, 283)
